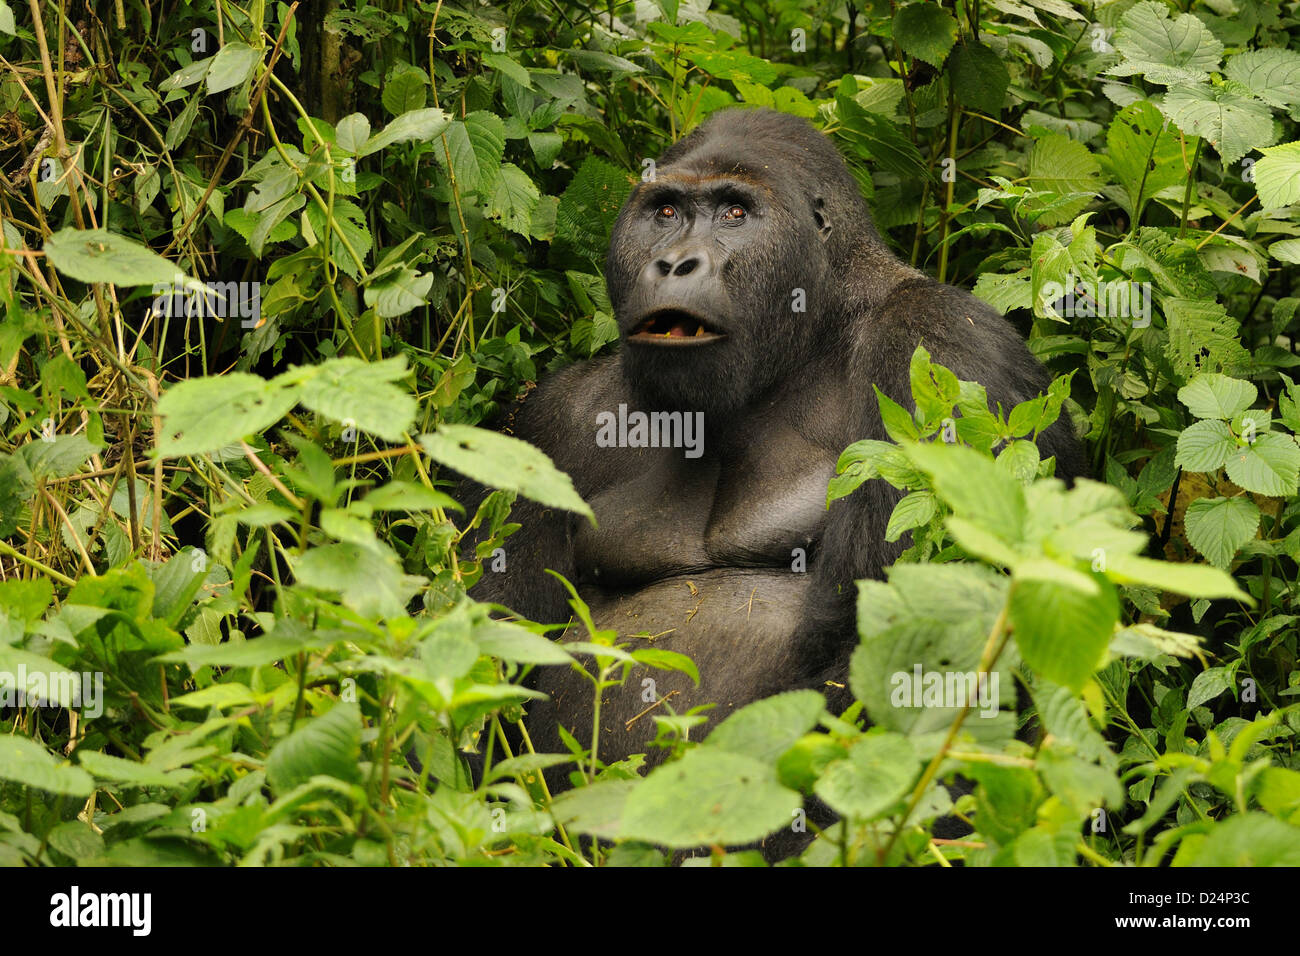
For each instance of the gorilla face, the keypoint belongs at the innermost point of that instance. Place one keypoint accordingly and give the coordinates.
(716, 275)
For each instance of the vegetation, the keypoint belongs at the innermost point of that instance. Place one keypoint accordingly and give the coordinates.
(266, 267)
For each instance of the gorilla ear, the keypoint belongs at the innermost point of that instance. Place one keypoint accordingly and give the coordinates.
(823, 223)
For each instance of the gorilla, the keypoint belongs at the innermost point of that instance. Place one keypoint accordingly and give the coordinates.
(756, 306)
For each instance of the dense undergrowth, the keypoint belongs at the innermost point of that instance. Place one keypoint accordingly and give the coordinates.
(266, 266)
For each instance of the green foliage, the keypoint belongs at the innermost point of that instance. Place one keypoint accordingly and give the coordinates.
(257, 293)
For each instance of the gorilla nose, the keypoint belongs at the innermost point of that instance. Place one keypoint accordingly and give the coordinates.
(678, 264)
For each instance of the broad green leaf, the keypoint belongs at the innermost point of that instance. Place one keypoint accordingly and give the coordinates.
(422, 124)
(361, 393)
(709, 797)
(1145, 154)
(877, 774)
(1209, 684)
(1277, 176)
(399, 293)
(514, 643)
(767, 728)
(204, 414)
(1217, 396)
(328, 745)
(370, 581)
(979, 78)
(1272, 74)
(1251, 839)
(975, 488)
(25, 762)
(1229, 120)
(1218, 527)
(513, 199)
(1062, 166)
(500, 461)
(405, 89)
(1194, 580)
(1168, 51)
(132, 773)
(1205, 446)
(1061, 631)
(231, 65)
(925, 31)
(1287, 250)
(1267, 466)
(97, 255)
(913, 511)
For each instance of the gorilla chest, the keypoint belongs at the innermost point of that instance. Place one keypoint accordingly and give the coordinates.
(668, 515)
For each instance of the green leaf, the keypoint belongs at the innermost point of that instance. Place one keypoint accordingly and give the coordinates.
(1209, 684)
(925, 31)
(975, 488)
(1217, 396)
(1267, 466)
(1168, 51)
(1230, 121)
(877, 774)
(328, 745)
(514, 643)
(232, 65)
(1273, 75)
(476, 146)
(404, 90)
(97, 255)
(1145, 154)
(1218, 527)
(131, 773)
(422, 125)
(399, 293)
(204, 414)
(1205, 446)
(1060, 165)
(26, 762)
(1062, 631)
(1277, 176)
(709, 797)
(500, 461)
(767, 728)
(1194, 580)
(513, 199)
(1249, 840)
(363, 393)
(913, 511)
(979, 78)
(1287, 250)
(370, 581)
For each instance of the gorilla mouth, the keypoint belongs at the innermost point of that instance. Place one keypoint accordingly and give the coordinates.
(674, 327)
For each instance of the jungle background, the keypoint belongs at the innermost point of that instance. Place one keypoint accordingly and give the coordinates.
(265, 268)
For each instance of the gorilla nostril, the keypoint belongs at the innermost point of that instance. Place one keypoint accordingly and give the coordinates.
(686, 267)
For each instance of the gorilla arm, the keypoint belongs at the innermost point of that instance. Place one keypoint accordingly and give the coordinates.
(969, 338)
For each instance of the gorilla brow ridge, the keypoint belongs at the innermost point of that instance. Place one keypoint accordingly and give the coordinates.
(740, 176)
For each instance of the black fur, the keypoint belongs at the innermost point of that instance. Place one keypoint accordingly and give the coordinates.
(699, 550)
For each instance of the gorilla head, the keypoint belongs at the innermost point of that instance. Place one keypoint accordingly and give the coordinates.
(720, 270)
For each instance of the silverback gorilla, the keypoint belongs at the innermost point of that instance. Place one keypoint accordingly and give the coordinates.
(754, 296)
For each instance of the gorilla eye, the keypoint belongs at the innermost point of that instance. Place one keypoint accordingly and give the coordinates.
(734, 213)
(667, 212)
